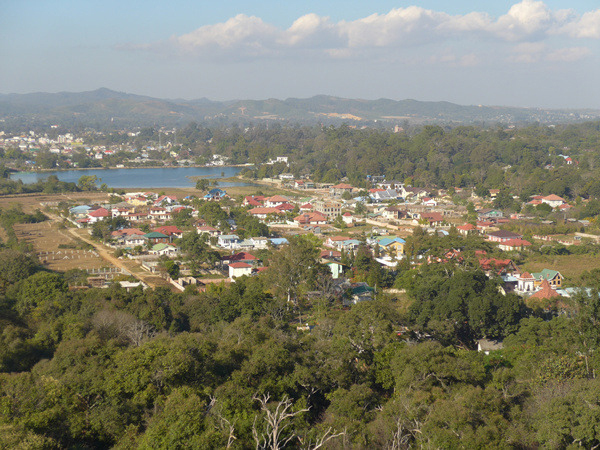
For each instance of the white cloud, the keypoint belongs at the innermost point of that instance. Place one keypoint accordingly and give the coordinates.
(311, 31)
(526, 19)
(399, 30)
(240, 32)
(528, 52)
(568, 54)
(587, 26)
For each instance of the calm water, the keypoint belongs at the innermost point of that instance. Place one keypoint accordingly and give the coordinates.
(174, 177)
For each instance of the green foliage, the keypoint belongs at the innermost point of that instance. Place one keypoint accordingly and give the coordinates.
(213, 214)
(14, 267)
(291, 266)
(360, 209)
(183, 218)
(202, 184)
(459, 306)
(41, 294)
(482, 191)
(248, 225)
(88, 182)
(102, 229)
(196, 251)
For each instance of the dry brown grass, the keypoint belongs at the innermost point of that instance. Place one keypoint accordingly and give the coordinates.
(46, 237)
(570, 266)
(30, 202)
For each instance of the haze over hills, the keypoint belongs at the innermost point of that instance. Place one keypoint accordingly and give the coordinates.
(104, 106)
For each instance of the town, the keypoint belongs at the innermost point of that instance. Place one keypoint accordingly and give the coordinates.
(350, 272)
(342, 221)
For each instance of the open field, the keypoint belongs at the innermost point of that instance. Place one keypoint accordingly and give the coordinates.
(133, 267)
(46, 237)
(30, 202)
(570, 266)
(232, 191)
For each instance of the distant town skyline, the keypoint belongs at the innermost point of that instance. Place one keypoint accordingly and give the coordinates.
(512, 53)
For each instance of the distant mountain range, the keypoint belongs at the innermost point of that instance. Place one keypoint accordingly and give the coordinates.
(104, 106)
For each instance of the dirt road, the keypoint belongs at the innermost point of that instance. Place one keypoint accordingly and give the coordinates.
(106, 253)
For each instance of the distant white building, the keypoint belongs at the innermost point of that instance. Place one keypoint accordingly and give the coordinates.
(279, 159)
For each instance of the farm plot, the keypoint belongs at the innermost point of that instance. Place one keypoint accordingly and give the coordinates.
(56, 249)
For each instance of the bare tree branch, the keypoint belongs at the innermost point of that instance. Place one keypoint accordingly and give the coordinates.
(323, 439)
(276, 423)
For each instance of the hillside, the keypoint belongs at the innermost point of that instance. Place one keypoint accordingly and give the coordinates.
(104, 106)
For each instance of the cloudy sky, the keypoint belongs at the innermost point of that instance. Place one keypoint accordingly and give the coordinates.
(496, 52)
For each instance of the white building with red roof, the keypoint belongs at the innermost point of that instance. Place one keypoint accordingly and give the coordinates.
(97, 215)
(239, 269)
(336, 241)
(263, 212)
(553, 200)
(275, 201)
(159, 214)
(467, 228)
(207, 229)
(339, 189)
(285, 207)
(525, 282)
(119, 212)
(251, 200)
(514, 244)
(164, 200)
(348, 218)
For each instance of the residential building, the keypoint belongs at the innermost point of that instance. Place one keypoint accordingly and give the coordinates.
(239, 269)
(339, 189)
(553, 277)
(502, 236)
(311, 218)
(329, 209)
(553, 200)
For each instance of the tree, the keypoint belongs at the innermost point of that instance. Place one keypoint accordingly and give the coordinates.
(212, 213)
(196, 251)
(275, 434)
(458, 306)
(15, 266)
(290, 267)
(202, 184)
(41, 294)
(170, 267)
(88, 182)
(360, 209)
(482, 191)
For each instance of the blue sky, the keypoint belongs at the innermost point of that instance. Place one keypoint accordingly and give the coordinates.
(522, 53)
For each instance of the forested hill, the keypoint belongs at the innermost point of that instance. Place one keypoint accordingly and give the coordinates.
(104, 106)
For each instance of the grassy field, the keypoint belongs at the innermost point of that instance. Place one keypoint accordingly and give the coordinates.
(402, 302)
(570, 266)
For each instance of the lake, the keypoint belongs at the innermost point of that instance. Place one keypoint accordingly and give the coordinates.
(172, 177)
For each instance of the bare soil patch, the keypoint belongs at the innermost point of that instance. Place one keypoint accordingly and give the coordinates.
(47, 238)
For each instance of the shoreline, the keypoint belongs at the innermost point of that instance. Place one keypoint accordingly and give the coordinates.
(74, 169)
